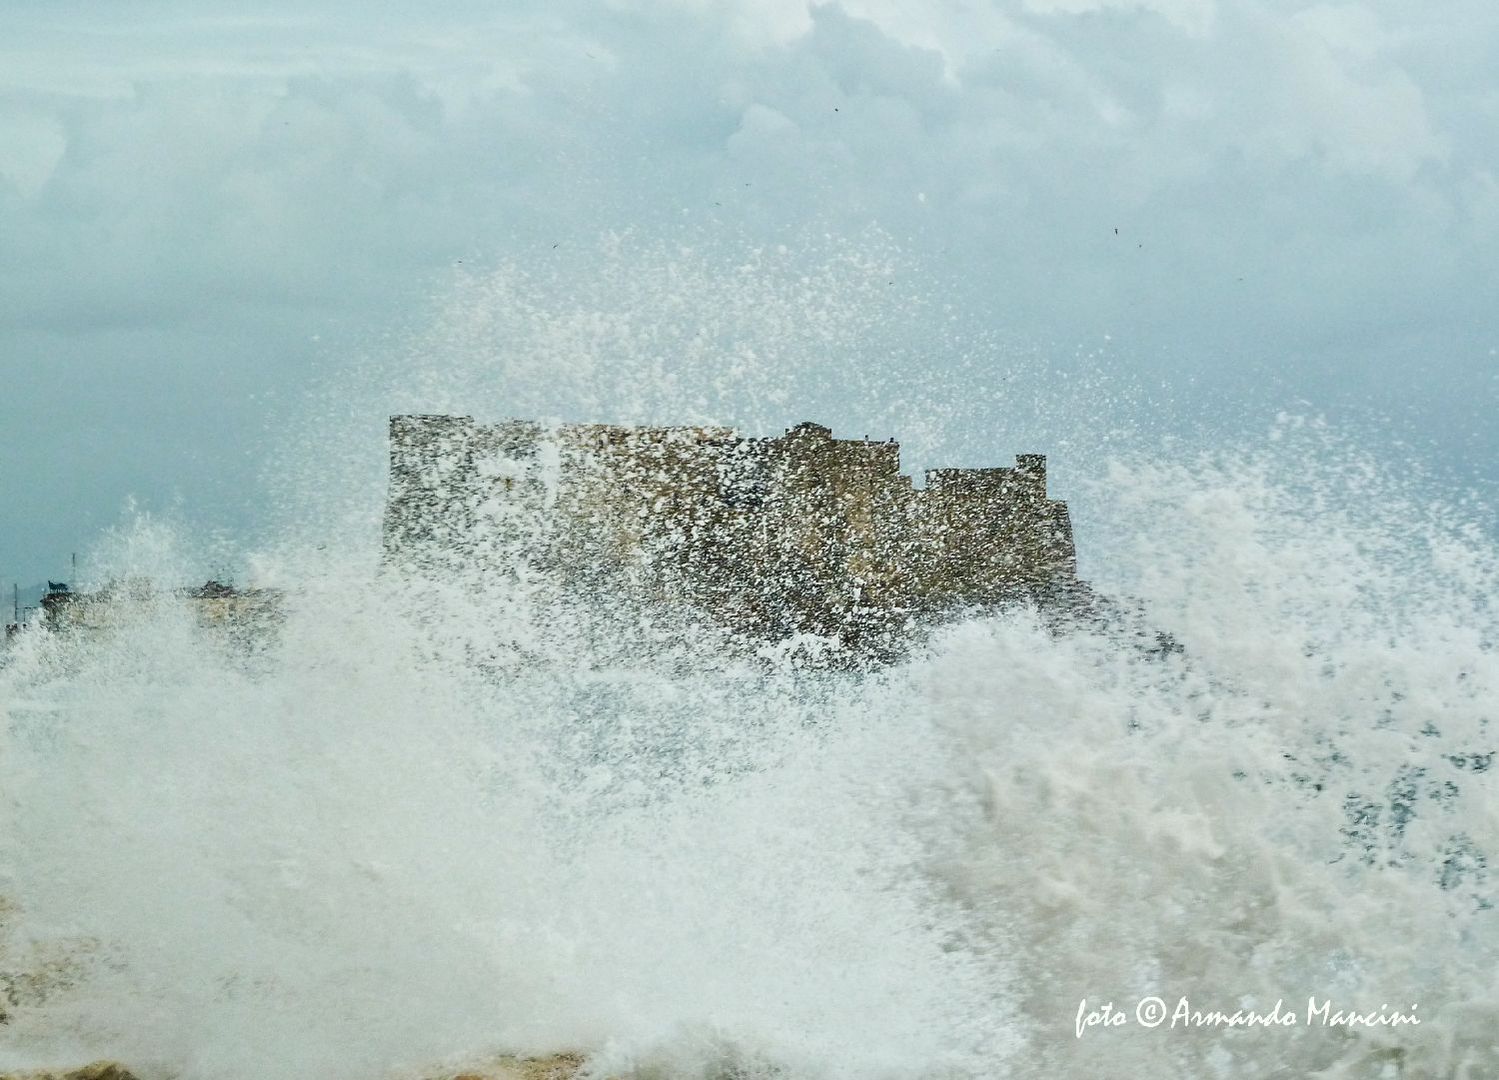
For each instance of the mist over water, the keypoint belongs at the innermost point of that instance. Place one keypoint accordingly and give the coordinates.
(424, 822)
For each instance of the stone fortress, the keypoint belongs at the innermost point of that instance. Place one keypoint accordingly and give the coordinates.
(768, 538)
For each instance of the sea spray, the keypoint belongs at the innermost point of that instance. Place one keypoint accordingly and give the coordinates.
(377, 852)
(380, 851)
(428, 820)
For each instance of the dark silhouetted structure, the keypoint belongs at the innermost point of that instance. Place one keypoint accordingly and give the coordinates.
(770, 537)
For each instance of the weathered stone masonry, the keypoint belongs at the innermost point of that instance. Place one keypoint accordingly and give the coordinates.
(801, 533)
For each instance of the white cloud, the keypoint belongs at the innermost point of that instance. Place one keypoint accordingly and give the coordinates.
(1349, 29)
(1338, 99)
(762, 130)
(1276, 170)
(1195, 17)
(957, 31)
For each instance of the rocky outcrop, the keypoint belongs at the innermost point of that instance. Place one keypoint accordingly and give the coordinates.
(554, 1067)
(32, 972)
(99, 1070)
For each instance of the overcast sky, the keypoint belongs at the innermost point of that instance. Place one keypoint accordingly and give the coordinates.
(202, 212)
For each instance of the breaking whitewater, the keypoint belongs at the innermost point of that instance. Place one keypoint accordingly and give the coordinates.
(423, 824)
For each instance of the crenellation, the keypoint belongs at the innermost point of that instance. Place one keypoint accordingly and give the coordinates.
(801, 533)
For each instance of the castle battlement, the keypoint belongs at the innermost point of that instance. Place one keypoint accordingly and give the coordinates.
(798, 533)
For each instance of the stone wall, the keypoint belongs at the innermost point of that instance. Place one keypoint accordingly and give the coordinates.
(800, 533)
